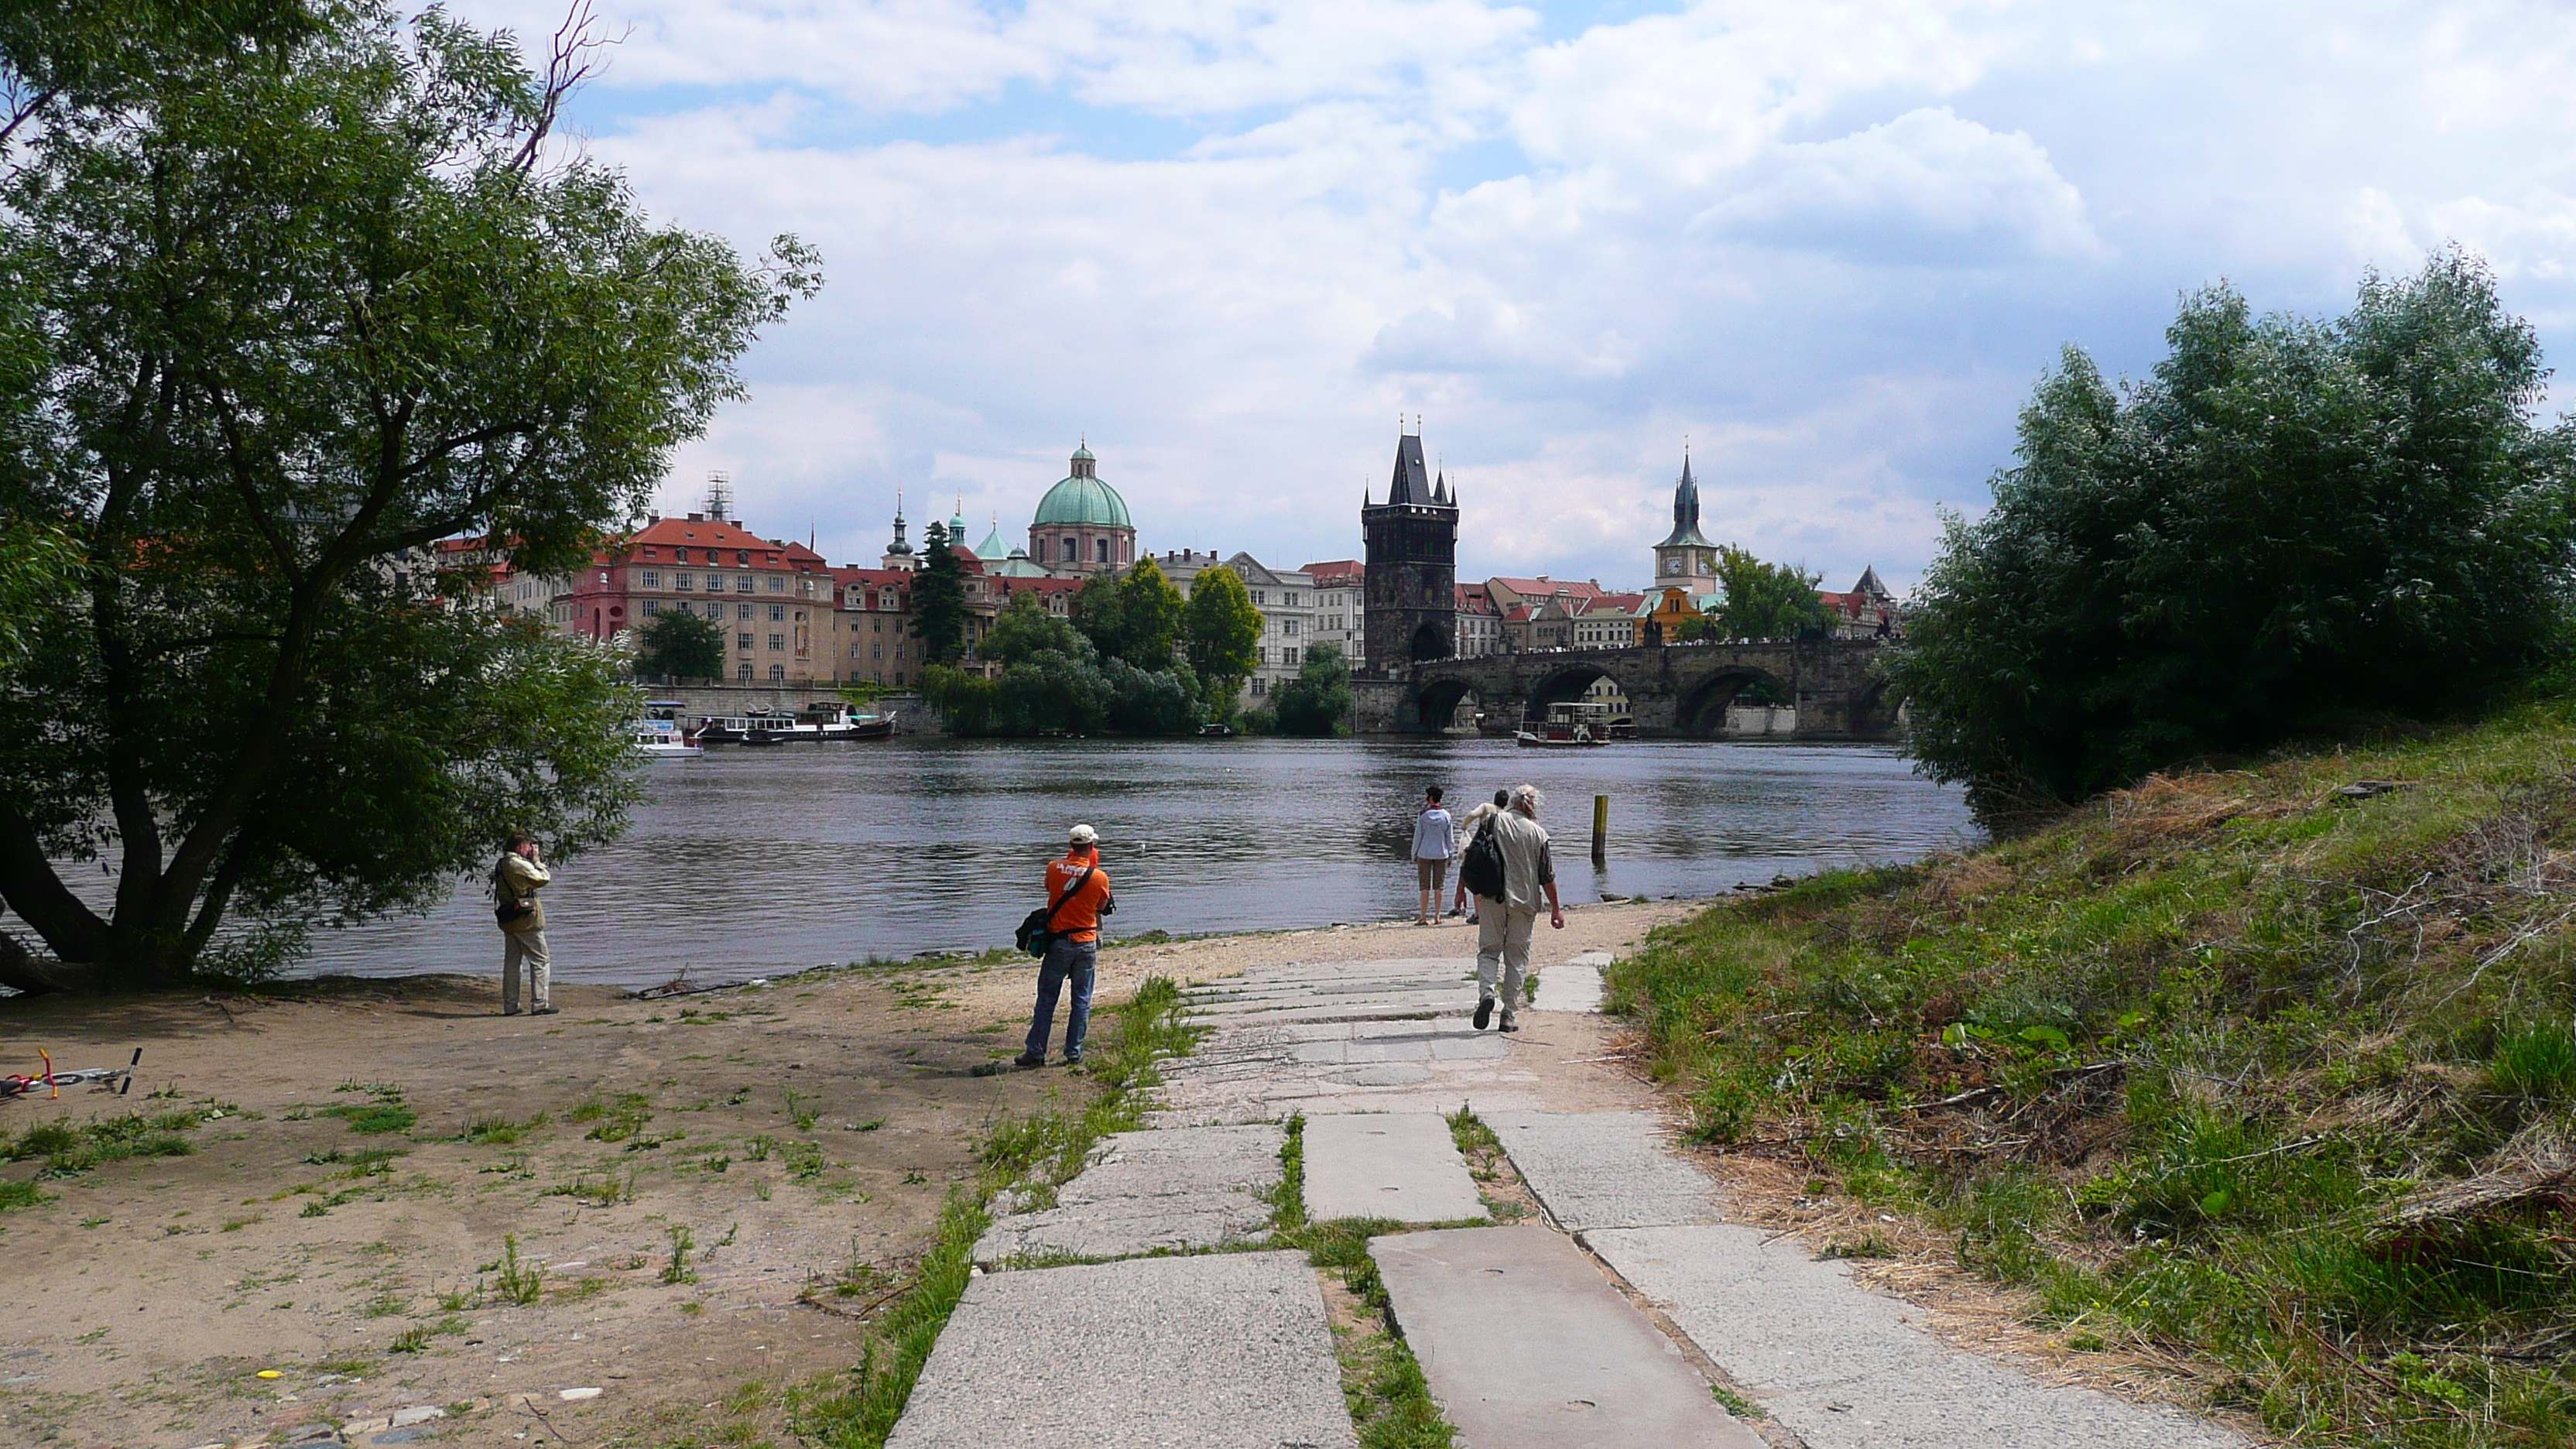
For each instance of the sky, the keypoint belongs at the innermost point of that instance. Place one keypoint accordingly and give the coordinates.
(1230, 243)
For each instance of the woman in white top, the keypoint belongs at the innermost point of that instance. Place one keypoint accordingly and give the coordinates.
(1435, 844)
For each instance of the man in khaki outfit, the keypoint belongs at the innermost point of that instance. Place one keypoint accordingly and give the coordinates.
(1504, 927)
(515, 882)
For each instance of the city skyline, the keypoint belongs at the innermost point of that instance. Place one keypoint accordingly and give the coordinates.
(1834, 245)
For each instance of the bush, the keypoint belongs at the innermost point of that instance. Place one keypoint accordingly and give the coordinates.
(2291, 525)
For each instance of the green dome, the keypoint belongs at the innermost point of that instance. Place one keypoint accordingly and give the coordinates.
(1082, 500)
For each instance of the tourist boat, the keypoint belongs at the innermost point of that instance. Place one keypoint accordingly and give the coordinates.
(1571, 724)
(1216, 732)
(666, 745)
(871, 727)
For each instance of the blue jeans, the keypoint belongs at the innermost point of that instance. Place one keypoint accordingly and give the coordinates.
(1065, 958)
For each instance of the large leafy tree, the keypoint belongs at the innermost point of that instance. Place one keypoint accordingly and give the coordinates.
(677, 644)
(1758, 600)
(2290, 524)
(1154, 617)
(1318, 701)
(301, 297)
(939, 599)
(1224, 634)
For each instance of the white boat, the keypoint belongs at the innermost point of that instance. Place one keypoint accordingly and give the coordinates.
(665, 742)
(1572, 724)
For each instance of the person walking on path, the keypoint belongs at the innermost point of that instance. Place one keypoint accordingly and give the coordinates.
(1504, 927)
(1079, 892)
(516, 879)
(1435, 844)
(1467, 829)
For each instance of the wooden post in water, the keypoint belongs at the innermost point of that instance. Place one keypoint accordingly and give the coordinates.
(1600, 829)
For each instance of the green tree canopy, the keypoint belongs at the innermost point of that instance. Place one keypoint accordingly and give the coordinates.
(1317, 702)
(2288, 522)
(939, 598)
(299, 309)
(677, 644)
(1027, 628)
(1224, 634)
(1760, 600)
(1153, 617)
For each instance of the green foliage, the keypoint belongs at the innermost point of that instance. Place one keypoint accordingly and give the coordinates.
(39, 565)
(1026, 628)
(1760, 600)
(1317, 703)
(677, 644)
(1054, 680)
(2291, 524)
(297, 311)
(939, 598)
(2233, 1065)
(1224, 634)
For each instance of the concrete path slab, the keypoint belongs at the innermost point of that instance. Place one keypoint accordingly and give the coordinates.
(1573, 984)
(1527, 1346)
(1848, 1369)
(1402, 1166)
(1605, 1169)
(1190, 1188)
(1263, 1071)
(1224, 1352)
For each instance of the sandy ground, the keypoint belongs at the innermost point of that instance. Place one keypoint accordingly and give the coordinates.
(803, 1135)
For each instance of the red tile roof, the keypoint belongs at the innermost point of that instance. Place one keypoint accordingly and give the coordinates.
(1569, 588)
(1336, 572)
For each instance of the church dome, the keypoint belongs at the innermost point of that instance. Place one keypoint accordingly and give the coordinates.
(1082, 499)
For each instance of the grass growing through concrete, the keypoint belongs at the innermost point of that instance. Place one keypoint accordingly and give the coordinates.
(1382, 1384)
(1035, 1153)
(2274, 1068)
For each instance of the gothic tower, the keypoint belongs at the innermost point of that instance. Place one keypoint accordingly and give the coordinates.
(1686, 559)
(1412, 564)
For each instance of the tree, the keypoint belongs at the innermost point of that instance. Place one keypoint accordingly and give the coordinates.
(1318, 701)
(1099, 610)
(677, 644)
(1760, 600)
(1026, 628)
(2291, 522)
(1153, 617)
(302, 308)
(939, 599)
(1224, 634)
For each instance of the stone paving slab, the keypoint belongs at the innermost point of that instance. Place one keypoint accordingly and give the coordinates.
(1848, 1369)
(1604, 1169)
(1527, 1346)
(1403, 1166)
(1188, 1188)
(1573, 984)
(1230, 1351)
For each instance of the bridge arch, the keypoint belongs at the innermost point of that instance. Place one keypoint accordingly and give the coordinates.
(1436, 703)
(1428, 643)
(1701, 710)
(1876, 712)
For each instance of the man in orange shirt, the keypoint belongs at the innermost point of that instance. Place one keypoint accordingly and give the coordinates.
(1078, 889)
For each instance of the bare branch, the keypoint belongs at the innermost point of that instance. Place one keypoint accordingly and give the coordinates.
(569, 64)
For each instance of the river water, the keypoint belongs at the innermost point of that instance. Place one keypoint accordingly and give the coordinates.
(755, 862)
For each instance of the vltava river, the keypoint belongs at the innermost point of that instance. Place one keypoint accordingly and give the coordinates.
(753, 862)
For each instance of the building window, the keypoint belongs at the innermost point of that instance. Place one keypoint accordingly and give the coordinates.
(742, 611)
(875, 651)
(742, 585)
(652, 579)
(777, 643)
(1260, 597)
(1104, 550)
(679, 555)
(777, 673)
(778, 583)
(1287, 656)
(876, 626)
(1259, 685)
(742, 556)
(651, 552)
(744, 674)
(1288, 626)
(1072, 553)
(652, 607)
(742, 642)
(714, 611)
(777, 612)
(680, 582)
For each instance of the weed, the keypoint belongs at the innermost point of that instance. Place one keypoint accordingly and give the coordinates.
(760, 1190)
(235, 1225)
(718, 1164)
(606, 1192)
(869, 1125)
(804, 1160)
(410, 1340)
(455, 1302)
(677, 1271)
(501, 1131)
(619, 1121)
(760, 1148)
(521, 1283)
(799, 1111)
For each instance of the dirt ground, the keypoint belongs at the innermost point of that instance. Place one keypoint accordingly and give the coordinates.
(800, 1134)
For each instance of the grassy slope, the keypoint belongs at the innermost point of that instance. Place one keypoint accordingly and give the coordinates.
(2274, 1076)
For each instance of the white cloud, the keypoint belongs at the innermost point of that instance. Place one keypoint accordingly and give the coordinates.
(1833, 242)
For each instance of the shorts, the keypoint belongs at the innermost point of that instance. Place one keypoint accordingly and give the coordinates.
(1432, 874)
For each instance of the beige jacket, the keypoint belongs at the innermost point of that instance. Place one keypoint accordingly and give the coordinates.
(517, 878)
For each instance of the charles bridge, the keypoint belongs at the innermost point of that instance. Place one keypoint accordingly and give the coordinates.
(1673, 690)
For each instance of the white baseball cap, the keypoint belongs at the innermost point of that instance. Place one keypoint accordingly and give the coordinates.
(1085, 835)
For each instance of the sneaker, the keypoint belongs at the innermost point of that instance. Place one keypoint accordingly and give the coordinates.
(1024, 1059)
(1511, 1022)
(543, 1011)
(1484, 1012)
(509, 1011)
(1073, 1059)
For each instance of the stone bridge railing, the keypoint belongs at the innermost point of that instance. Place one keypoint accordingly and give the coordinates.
(1673, 690)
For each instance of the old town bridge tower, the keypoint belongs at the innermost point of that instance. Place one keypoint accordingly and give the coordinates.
(1412, 564)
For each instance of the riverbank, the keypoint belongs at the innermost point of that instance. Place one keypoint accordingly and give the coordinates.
(394, 1199)
(2265, 1075)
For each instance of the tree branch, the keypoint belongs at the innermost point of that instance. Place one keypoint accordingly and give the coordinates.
(32, 888)
(567, 66)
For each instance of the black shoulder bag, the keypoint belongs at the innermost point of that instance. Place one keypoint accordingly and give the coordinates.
(1037, 929)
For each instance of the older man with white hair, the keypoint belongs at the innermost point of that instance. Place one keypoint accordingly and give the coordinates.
(1504, 926)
